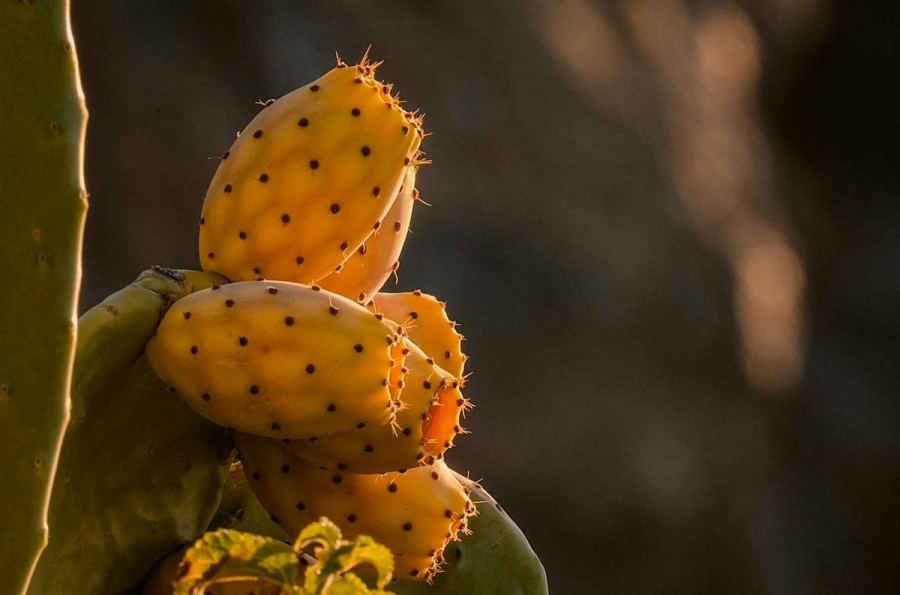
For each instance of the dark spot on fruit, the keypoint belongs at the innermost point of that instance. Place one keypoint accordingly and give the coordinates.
(361, 425)
(335, 208)
(285, 468)
(254, 390)
(255, 476)
(392, 487)
(414, 573)
(215, 287)
(447, 354)
(211, 255)
(354, 111)
(285, 218)
(310, 369)
(274, 518)
(343, 246)
(377, 225)
(194, 349)
(366, 151)
(205, 396)
(448, 513)
(286, 440)
(289, 320)
(397, 225)
(362, 250)
(337, 479)
(229, 303)
(426, 384)
(273, 290)
(243, 341)
(264, 178)
(243, 235)
(314, 164)
(341, 466)
(435, 476)
(414, 315)
(315, 288)
(369, 448)
(351, 518)
(376, 191)
(257, 134)
(407, 526)
(300, 506)
(303, 123)
(299, 260)
(225, 155)
(358, 348)
(314, 88)
(332, 310)
(332, 407)
(187, 315)
(257, 270)
(406, 161)
(407, 431)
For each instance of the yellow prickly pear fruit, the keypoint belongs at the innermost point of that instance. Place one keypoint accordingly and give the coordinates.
(309, 179)
(426, 425)
(363, 274)
(424, 319)
(277, 359)
(415, 513)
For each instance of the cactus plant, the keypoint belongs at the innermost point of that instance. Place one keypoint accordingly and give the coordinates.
(42, 209)
(277, 359)
(344, 399)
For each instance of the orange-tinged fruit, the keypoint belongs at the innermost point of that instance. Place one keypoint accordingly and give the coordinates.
(277, 359)
(415, 513)
(424, 319)
(426, 425)
(309, 179)
(365, 272)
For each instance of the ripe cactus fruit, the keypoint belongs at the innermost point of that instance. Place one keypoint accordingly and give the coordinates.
(424, 319)
(41, 222)
(415, 513)
(431, 398)
(139, 472)
(277, 359)
(471, 564)
(363, 274)
(309, 179)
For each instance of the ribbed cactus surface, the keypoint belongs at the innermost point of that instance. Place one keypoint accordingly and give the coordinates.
(42, 210)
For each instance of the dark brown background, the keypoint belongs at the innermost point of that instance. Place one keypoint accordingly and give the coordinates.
(670, 231)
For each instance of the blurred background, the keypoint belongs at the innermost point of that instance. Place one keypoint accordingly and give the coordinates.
(670, 231)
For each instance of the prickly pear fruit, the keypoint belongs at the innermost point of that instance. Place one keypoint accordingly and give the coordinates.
(423, 435)
(424, 319)
(363, 274)
(471, 564)
(309, 179)
(415, 513)
(139, 472)
(277, 359)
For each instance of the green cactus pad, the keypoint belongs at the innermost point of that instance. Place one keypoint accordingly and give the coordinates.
(495, 559)
(140, 473)
(42, 209)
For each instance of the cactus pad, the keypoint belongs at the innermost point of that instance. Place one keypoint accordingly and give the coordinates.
(363, 274)
(277, 359)
(415, 513)
(424, 318)
(430, 398)
(139, 472)
(309, 179)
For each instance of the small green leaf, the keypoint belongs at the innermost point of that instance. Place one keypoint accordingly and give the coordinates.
(324, 533)
(229, 556)
(364, 550)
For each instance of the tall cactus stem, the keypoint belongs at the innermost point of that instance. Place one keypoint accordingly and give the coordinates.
(42, 209)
